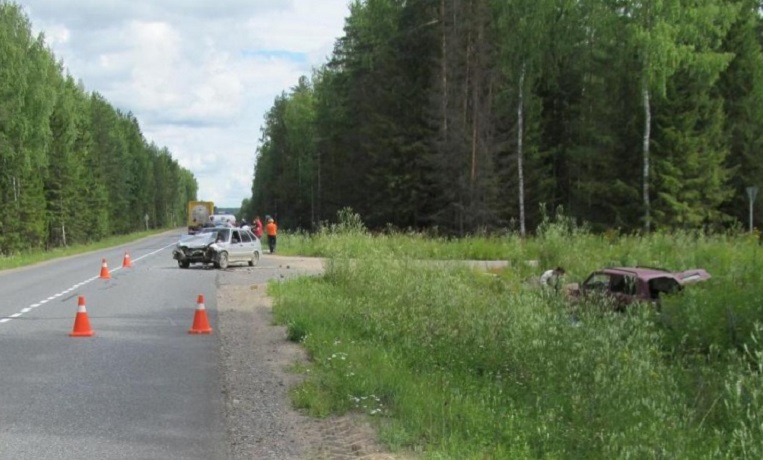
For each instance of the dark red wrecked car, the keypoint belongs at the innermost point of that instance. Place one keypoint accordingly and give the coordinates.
(622, 286)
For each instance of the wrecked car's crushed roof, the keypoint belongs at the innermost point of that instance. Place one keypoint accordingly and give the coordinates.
(649, 273)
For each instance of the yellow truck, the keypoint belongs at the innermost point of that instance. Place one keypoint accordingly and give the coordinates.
(198, 214)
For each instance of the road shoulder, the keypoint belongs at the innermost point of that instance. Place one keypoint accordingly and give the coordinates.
(257, 360)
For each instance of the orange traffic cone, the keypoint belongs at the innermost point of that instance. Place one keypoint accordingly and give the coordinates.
(105, 270)
(81, 323)
(200, 322)
(126, 261)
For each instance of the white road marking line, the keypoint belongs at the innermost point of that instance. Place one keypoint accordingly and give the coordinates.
(89, 280)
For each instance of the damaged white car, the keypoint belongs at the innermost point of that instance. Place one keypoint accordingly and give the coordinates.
(219, 246)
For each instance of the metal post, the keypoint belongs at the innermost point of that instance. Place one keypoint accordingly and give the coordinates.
(752, 192)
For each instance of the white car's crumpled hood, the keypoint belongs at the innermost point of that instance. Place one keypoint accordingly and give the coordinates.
(199, 240)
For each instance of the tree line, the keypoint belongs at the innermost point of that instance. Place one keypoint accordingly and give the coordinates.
(472, 115)
(73, 169)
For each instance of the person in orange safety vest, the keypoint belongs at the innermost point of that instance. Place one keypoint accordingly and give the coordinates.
(272, 230)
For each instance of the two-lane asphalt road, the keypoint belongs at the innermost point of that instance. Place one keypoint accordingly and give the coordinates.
(140, 388)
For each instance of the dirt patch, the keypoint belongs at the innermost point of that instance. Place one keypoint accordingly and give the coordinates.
(261, 422)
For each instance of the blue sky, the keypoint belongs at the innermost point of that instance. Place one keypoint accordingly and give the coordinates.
(199, 75)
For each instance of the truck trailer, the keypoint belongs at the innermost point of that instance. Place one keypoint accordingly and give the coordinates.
(198, 215)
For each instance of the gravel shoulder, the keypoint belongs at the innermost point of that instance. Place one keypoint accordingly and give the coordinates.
(261, 422)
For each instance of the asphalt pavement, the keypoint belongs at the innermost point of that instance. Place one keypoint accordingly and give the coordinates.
(141, 387)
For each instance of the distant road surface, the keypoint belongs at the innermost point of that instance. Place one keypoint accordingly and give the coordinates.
(140, 388)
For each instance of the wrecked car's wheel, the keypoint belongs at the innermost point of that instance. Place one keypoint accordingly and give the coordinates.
(223, 262)
(184, 264)
(255, 259)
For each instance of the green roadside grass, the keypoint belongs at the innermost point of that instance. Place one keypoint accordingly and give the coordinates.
(453, 363)
(36, 256)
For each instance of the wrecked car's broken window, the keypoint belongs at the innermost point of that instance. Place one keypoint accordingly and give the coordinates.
(659, 286)
(597, 282)
(623, 284)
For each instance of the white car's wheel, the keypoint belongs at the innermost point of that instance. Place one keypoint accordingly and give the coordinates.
(223, 262)
(255, 259)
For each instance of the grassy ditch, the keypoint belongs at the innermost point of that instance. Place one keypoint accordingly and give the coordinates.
(457, 363)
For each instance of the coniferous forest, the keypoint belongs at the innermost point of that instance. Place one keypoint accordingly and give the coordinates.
(459, 115)
(476, 115)
(73, 168)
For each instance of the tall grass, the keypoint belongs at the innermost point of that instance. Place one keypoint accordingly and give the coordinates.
(460, 364)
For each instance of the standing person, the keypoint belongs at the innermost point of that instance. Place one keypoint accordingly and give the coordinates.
(257, 227)
(272, 230)
(552, 278)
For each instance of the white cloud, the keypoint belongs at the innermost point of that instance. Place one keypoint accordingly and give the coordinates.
(198, 75)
